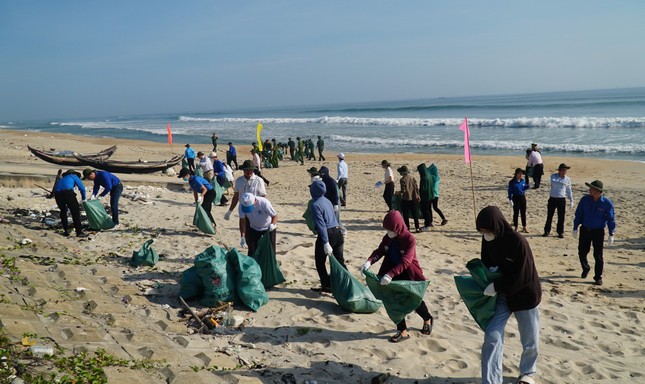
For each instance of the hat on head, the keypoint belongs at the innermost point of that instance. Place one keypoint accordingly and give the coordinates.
(87, 172)
(563, 166)
(341, 156)
(229, 143)
(187, 145)
(403, 170)
(183, 173)
(596, 184)
(72, 172)
(213, 154)
(533, 145)
(313, 171)
(247, 164)
(385, 162)
(200, 153)
(248, 201)
(519, 170)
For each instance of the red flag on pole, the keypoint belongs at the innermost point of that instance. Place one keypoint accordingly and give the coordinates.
(464, 127)
(169, 134)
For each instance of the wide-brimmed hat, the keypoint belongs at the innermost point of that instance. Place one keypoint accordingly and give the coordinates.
(183, 173)
(313, 171)
(200, 153)
(596, 184)
(341, 156)
(247, 202)
(386, 163)
(72, 172)
(519, 170)
(403, 170)
(563, 166)
(247, 164)
(213, 154)
(87, 172)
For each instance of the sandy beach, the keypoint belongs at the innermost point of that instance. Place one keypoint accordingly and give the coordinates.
(588, 333)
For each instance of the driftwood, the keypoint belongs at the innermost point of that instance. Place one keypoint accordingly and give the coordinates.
(199, 320)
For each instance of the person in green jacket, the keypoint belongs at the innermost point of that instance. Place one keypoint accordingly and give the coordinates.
(433, 172)
(427, 197)
(301, 151)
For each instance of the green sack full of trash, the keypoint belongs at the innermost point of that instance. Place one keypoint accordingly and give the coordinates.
(248, 280)
(145, 255)
(349, 293)
(96, 216)
(219, 191)
(265, 257)
(190, 284)
(202, 221)
(308, 216)
(217, 275)
(471, 289)
(400, 297)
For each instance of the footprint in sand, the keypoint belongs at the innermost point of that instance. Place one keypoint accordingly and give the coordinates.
(433, 345)
(454, 365)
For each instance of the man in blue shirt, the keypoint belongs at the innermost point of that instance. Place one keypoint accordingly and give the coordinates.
(516, 197)
(560, 191)
(231, 156)
(66, 199)
(111, 184)
(202, 191)
(593, 213)
(189, 154)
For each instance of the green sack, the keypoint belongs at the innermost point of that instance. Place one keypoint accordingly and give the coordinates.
(145, 255)
(400, 297)
(217, 276)
(396, 205)
(265, 257)
(219, 191)
(96, 216)
(471, 289)
(248, 280)
(308, 216)
(199, 172)
(190, 284)
(349, 293)
(202, 221)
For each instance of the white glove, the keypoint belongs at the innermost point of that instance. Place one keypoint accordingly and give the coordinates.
(510, 201)
(272, 227)
(610, 240)
(243, 242)
(99, 197)
(385, 280)
(336, 208)
(92, 197)
(366, 266)
(378, 184)
(575, 233)
(328, 249)
(490, 290)
(571, 203)
(227, 215)
(200, 198)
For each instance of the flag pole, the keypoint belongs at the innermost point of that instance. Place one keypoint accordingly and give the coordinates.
(472, 187)
(468, 159)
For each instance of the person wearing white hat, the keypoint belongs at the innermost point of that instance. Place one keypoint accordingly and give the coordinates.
(343, 175)
(257, 216)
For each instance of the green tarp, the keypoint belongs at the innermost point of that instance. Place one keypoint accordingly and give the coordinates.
(400, 297)
(145, 255)
(471, 289)
(190, 284)
(96, 216)
(248, 280)
(217, 276)
(265, 257)
(349, 293)
(202, 221)
(309, 218)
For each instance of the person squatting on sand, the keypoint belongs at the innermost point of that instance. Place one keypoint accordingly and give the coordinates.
(518, 292)
(66, 199)
(202, 191)
(111, 184)
(560, 190)
(409, 197)
(257, 216)
(330, 241)
(398, 249)
(594, 212)
(249, 182)
(516, 197)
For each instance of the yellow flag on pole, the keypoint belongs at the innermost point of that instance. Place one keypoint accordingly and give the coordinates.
(258, 135)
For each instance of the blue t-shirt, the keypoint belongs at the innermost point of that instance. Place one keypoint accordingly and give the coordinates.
(106, 180)
(196, 183)
(516, 188)
(68, 182)
(595, 214)
(189, 153)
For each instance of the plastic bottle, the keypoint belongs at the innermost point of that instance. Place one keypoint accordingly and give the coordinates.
(42, 350)
(228, 316)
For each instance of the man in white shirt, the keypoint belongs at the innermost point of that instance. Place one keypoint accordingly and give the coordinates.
(388, 181)
(206, 166)
(257, 216)
(535, 161)
(248, 182)
(560, 191)
(343, 174)
(258, 163)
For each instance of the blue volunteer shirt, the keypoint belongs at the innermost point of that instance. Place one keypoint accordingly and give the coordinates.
(232, 151)
(68, 182)
(595, 214)
(516, 188)
(196, 183)
(106, 180)
(189, 153)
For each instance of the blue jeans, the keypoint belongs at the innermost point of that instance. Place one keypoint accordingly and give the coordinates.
(528, 323)
(115, 195)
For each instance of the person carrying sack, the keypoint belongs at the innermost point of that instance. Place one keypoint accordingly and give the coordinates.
(202, 191)
(111, 184)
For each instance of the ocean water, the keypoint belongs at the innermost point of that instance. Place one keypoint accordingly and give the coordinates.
(601, 123)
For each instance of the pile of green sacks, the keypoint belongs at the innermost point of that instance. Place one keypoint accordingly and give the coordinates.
(221, 276)
(471, 288)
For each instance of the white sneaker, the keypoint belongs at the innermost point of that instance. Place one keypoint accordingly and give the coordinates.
(116, 226)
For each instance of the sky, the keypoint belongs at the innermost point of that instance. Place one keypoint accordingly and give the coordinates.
(90, 58)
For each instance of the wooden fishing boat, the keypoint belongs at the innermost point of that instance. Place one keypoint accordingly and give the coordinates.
(67, 157)
(140, 166)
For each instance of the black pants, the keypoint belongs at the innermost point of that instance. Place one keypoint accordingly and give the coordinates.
(259, 174)
(67, 200)
(589, 236)
(342, 186)
(388, 193)
(252, 237)
(519, 208)
(435, 206)
(207, 204)
(232, 159)
(426, 211)
(337, 243)
(191, 164)
(538, 170)
(559, 203)
(320, 155)
(422, 310)
(407, 207)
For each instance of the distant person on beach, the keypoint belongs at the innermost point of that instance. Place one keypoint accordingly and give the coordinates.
(189, 154)
(518, 292)
(231, 156)
(528, 170)
(214, 140)
(247, 183)
(398, 249)
(594, 212)
(343, 176)
(258, 164)
(560, 191)
(300, 154)
(388, 182)
(517, 199)
(220, 176)
(257, 217)
(111, 184)
(330, 241)
(66, 199)
(433, 171)
(425, 193)
(409, 197)
(292, 149)
(202, 191)
(206, 165)
(535, 161)
(320, 145)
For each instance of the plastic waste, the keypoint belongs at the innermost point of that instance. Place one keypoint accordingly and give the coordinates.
(42, 351)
